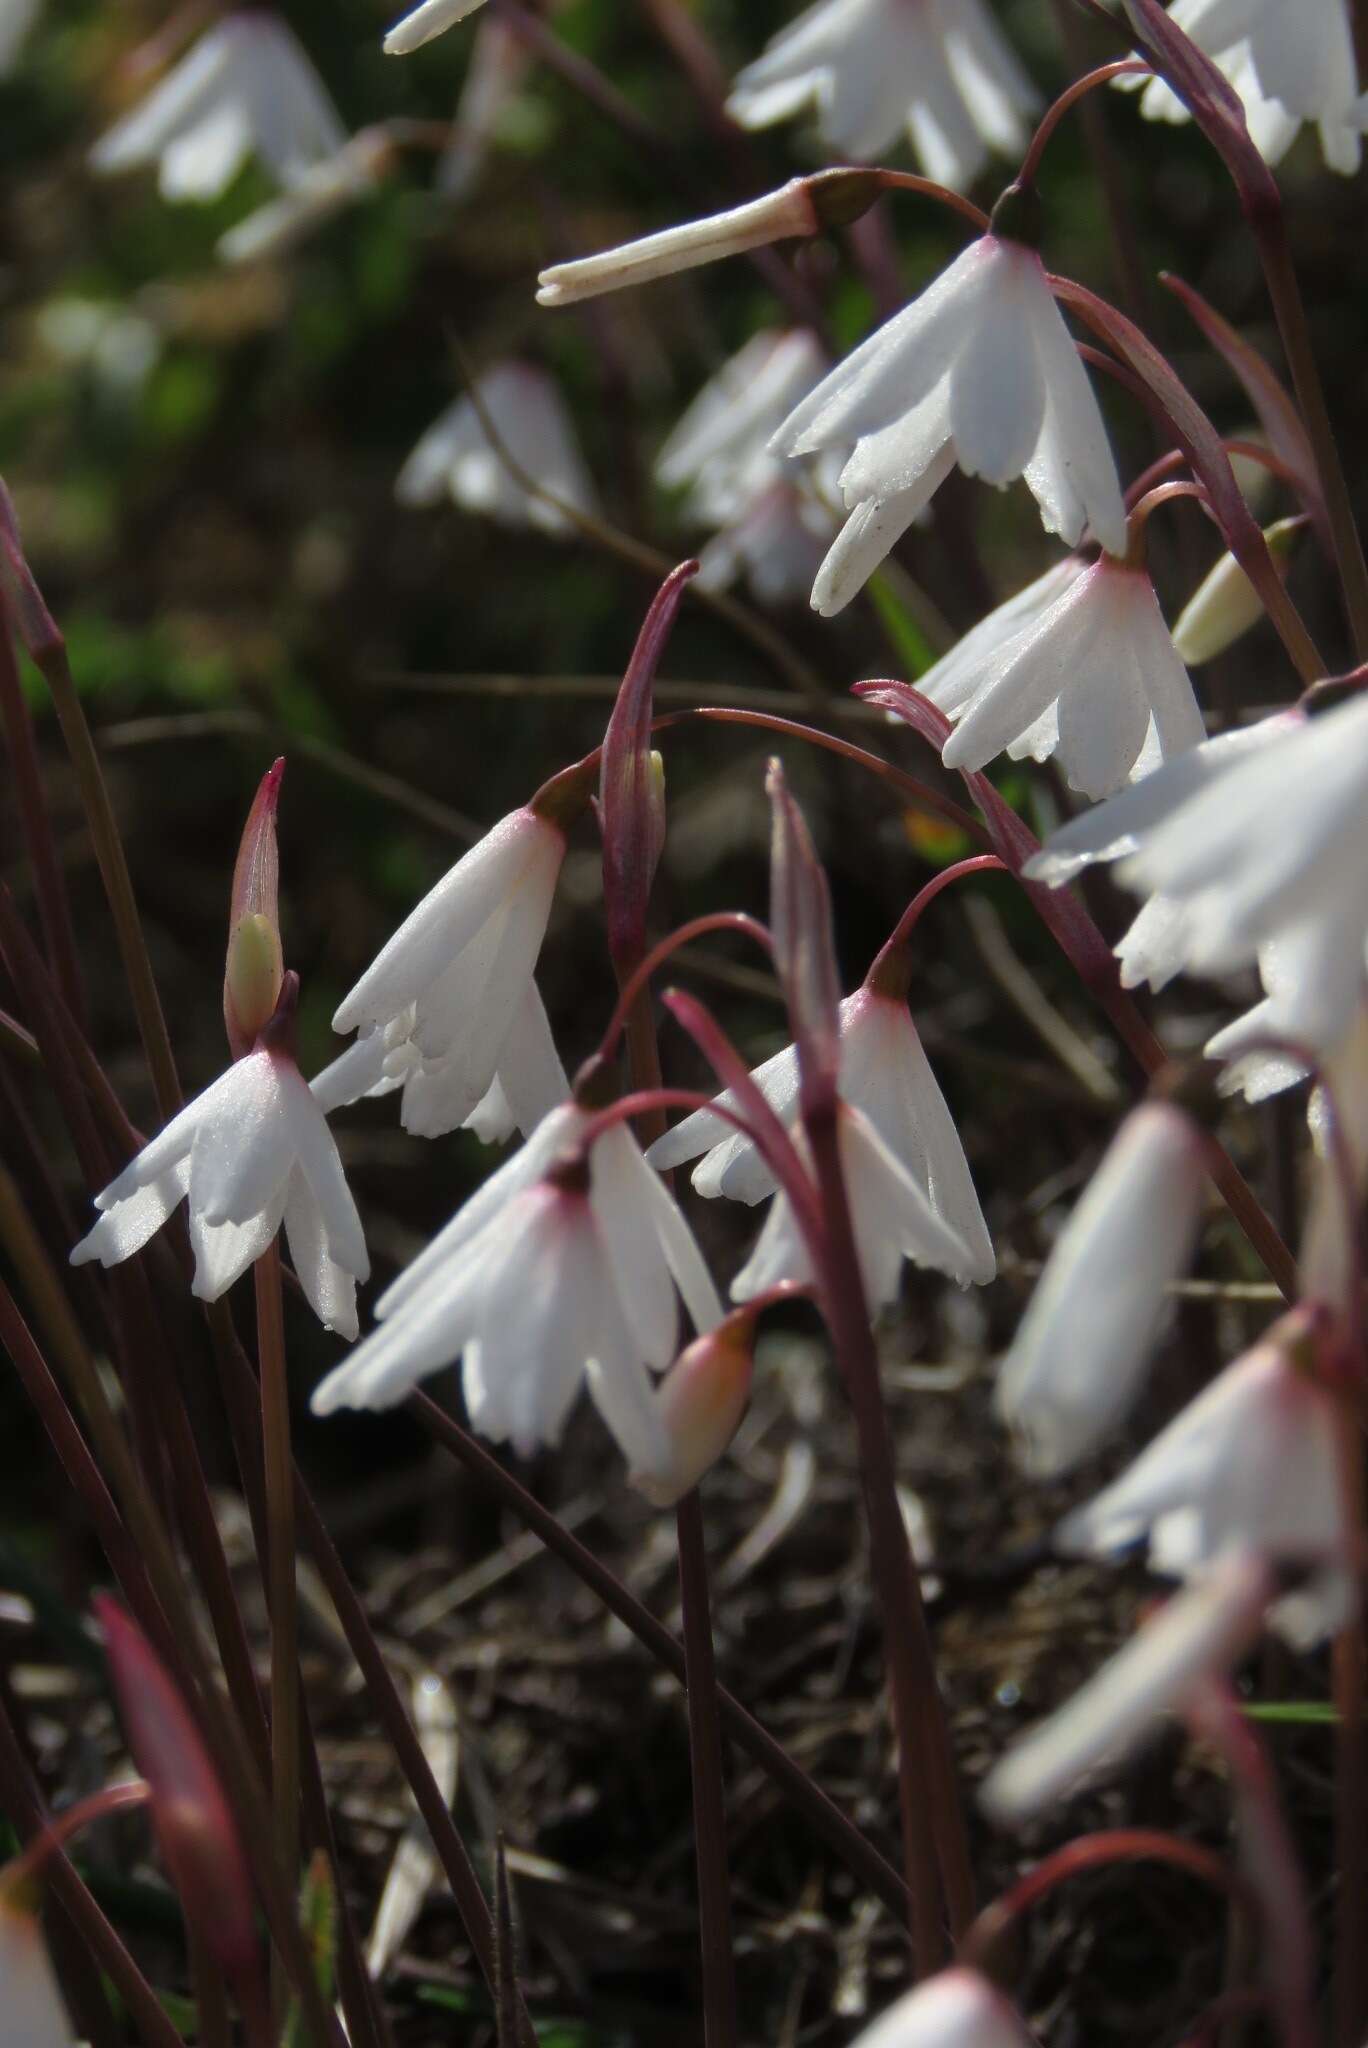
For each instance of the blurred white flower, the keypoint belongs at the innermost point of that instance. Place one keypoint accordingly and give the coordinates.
(120, 347)
(901, 1138)
(1288, 63)
(543, 1278)
(250, 1152)
(939, 69)
(956, 2009)
(1250, 1465)
(1276, 853)
(246, 87)
(720, 446)
(449, 1006)
(499, 61)
(776, 542)
(1089, 672)
(980, 371)
(455, 458)
(1084, 1343)
(1196, 1636)
(1331, 1260)
(320, 192)
(16, 19)
(34, 2014)
(425, 22)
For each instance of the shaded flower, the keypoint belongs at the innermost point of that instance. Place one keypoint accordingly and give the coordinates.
(1196, 1636)
(980, 371)
(720, 446)
(1090, 673)
(452, 992)
(34, 2014)
(940, 70)
(956, 2009)
(424, 22)
(456, 458)
(1288, 64)
(246, 87)
(1081, 1350)
(886, 1077)
(314, 197)
(548, 1275)
(253, 1151)
(1249, 1465)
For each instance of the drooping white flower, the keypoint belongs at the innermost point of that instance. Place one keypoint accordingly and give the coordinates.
(1276, 853)
(956, 2009)
(1086, 1339)
(16, 19)
(424, 22)
(980, 371)
(537, 1282)
(246, 87)
(34, 2014)
(720, 446)
(253, 1151)
(1196, 1636)
(455, 457)
(1289, 64)
(902, 1139)
(314, 197)
(940, 70)
(1090, 673)
(451, 995)
(1251, 1464)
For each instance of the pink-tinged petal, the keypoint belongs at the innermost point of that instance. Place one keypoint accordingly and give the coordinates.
(956, 2009)
(700, 1405)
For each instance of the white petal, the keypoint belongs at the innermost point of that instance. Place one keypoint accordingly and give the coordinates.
(125, 1226)
(997, 393)
(1073, 473)
(244, 1147)
(424, 22)
(641, 1277)
(867, 536)
(329, 1287)
(530, 1070)
(316, 1151)
(224, 1251)
(34, 2014)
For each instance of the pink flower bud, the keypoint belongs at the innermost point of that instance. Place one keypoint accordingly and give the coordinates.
(701, 1401)
(255, 965)
(804, 952)
(956, 2009)
(633, 820)
(195, 1827)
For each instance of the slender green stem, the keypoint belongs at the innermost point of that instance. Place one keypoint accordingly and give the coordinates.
(281, 1583)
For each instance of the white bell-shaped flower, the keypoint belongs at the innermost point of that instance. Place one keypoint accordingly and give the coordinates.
(456, 459)
(1289, 64)
(1196, 1636)
(34, 2014)
(245, 88)
(886, 1077)
(1276, 853)
(1251, 1464)
(1092, 677)
(16, 19)
(980, 371)
(1084, 1343)
(538, 1282)
(253, 1151)
(451, 995)
(939, 70)
(720, 446)
(956, 2009)
(424, 22)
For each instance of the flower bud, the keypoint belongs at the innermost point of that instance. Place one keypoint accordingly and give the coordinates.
(194, 1823)
(804, 949)
(34, 2014)
(1226, 604)
(631, 788)
(701, 1400)
(959, 2008)
(789, 211)
(255, 964)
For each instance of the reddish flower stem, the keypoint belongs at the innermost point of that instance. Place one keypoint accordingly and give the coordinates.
(640, 975)
(281, 1585)
(1123, 67)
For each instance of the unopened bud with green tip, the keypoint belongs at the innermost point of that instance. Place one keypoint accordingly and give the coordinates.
(701, 1401)
(1226, 605)
(255, 965)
